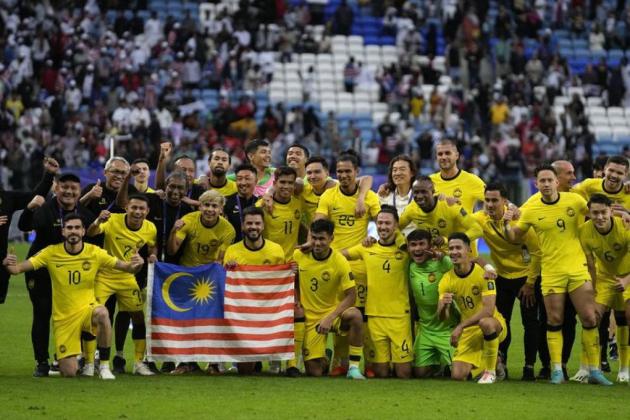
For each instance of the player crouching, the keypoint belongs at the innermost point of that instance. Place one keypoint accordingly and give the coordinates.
(325, 276)
(482, 327)
(73, 265)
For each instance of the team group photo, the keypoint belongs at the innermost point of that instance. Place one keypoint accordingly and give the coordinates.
(269, 205)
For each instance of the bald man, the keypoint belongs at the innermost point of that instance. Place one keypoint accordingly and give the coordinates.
(566, 175)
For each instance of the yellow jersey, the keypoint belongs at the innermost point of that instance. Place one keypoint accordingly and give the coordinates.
(227, 189)
(269, 254)
(322, 282)
(467, 187)
(511, 260)
(310, 200)
(611, 250)
(72, 276)
(283, 226)
(468, 291)
(339, 208)
(203, 244)
(122, 242)
(387, 279)
(591, 186)
(442, 220)
(557, 228)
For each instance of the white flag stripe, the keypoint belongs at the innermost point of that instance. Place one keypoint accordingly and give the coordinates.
(259, 303)
(258, 275)
(221, 358)
(272, 288)
(251, 344)
(258, 317)
(222, 330)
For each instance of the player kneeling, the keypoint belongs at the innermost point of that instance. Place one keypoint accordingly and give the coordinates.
(73, 265)
(482, 327)
(325, 276)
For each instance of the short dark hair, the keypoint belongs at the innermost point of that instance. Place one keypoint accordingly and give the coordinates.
(496, 186)
(246, 167)
(424, 178)
(141, 160)
(405, 158)
(307, 152)
(461, 236)
(419, 235)
(350, 156)
(140, 197)
(284, 170)
(385, 208)
(322, 225)
(253, 210)
(619, 160)
(253, 145)
(68, 177)
(73, 216)
(545, 167)
(184, 157)
(176, 175)
(598, 198)
(318, 159)
(447, 141)
(600, 162)
(220, 149)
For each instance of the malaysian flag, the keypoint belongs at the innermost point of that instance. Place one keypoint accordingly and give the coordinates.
(205, 314)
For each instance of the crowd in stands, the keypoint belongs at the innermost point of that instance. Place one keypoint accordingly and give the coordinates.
(74, 74)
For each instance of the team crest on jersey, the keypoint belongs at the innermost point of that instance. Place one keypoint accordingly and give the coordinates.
(442, 223)
(570, 212)
(457, 193)
(62, 349)
(398, 255)
(475, 290)
(325, 276)
(617, 247)
(432, 278)
(297, 214)
(86, 265)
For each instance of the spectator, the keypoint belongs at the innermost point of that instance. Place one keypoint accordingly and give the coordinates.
(342, 19)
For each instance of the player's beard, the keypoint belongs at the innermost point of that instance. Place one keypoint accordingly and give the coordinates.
(253, 236)
(218, 172)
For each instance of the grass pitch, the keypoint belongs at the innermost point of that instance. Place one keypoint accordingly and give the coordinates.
(267, 397)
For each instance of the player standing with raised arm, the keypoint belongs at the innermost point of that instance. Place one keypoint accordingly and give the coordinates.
(556, 218)
(125, 234)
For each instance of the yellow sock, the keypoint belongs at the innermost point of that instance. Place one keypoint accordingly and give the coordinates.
(89, 348)
(140, 345)
(623, 335)
(355, 355)
(590, 342)
(298, 333)
(583, 358)
(490, 352)
(340, 350)
(554, 342)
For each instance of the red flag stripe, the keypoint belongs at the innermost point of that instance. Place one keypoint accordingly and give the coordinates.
(277, 281)
(222, 351)
(220, 322)
(257, 296)
(258, 310)
(258, 268)
(219, 336)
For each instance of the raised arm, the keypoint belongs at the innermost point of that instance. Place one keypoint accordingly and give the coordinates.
(166, 149)
(365, 184)
(174, 243)
(95, 227)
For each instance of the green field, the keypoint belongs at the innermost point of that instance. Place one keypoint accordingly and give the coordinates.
(22, 396)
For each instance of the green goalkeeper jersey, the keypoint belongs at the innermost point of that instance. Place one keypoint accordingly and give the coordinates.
(424, 280)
